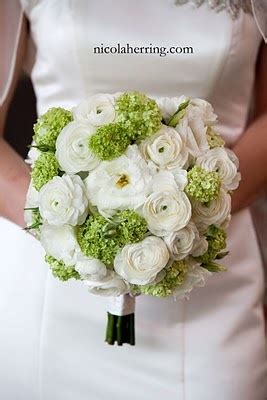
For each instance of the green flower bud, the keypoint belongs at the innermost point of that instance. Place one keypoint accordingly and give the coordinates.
(60, 270)
(49, 126)
(214, 139)
(44, 169)
(139, 114)
(109, 141)
(203, 186)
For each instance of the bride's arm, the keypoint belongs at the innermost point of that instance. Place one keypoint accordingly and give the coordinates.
(251, 149)
(14, 173)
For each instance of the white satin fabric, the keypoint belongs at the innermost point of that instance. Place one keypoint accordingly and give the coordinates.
(51, 336)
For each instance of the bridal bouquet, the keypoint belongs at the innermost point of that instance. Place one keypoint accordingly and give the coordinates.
(132, 196)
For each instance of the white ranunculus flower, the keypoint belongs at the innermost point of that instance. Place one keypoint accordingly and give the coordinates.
(201, 109)
(223, 161)
(200, 246)
(139, 263)
(167, 149)
(111, 285)
(90, 268)
(166, 211)
(63, 201)
(180, 243)
(196, 276)
(215, 212)
(97, 110)
(193, 133)
(169, 105)
(175, 179)
(72, 149)
(60, 242)
(120, 183)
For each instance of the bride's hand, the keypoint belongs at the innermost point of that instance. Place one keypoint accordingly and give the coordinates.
(251, 149)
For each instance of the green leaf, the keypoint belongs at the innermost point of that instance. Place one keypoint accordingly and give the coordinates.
(222, 255)
(179, 114)
(214, 267)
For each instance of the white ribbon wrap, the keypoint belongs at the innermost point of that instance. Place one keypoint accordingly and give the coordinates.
(121, 305)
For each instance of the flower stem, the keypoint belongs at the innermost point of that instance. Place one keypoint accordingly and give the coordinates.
(120, 329)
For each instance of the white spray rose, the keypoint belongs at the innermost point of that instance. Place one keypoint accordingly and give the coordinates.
(98, 110)
(72, 149)
(33, 155)
(63, 201)
(121, 183)
(90, 268)
(196, 276)
(140, 263)
(223, 161)
(215, 212)
(193, 133)
(180, 243)
(203, 110)
(167, 149)
(200, 246)
(60, 242)
(111, 285)
(166, 211)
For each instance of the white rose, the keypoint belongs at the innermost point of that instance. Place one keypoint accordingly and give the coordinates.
(223, 161)
(63, 201)
(90, 268)
(121, 183)
(180, 243)
(140, 263)
(60, 242)
(201, 109)
(193, 133)
(215, 212)
(170, 105)
(167, 149)
(72, 149)
(196, 276)
(98, 110)
(111, 285)
(166, 212)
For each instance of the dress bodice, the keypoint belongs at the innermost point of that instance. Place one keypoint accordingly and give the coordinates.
(219, 65)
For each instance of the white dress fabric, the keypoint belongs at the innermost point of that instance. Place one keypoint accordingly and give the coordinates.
(52, 333)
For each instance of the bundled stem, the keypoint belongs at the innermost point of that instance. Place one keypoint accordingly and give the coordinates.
(120, 329)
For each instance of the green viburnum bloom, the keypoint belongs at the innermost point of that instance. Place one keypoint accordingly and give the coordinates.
(214, 139)
(132, 227)
(60, 270)
(216, 238)
(49, 126)
(139, 114)
(203, 185)
(175, 275)
(102, 239)
(44, 169)
(109, 141)
(97, 238)
(179, 114)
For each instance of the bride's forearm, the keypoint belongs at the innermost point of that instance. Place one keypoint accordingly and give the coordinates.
(251, 150)
(14, 181)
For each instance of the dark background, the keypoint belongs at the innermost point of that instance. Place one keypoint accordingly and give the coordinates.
(21, 117)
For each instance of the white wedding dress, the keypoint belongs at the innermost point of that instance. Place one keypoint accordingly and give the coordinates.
(52, 333)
